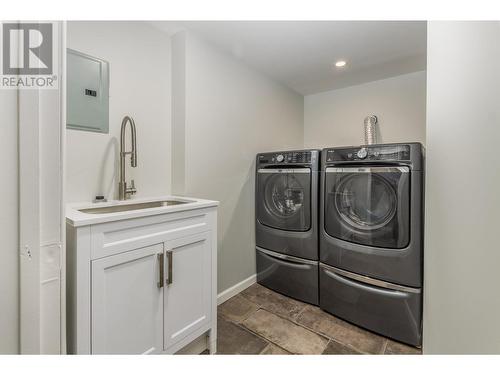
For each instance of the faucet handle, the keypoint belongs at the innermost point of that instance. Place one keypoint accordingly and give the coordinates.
(132, 190)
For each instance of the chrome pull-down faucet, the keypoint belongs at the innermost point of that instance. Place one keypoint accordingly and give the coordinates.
(124, 191)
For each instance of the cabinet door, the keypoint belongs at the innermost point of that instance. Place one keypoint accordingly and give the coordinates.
(127, 302)
(188, 286)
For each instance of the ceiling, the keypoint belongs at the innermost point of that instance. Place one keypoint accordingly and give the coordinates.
(301, 54)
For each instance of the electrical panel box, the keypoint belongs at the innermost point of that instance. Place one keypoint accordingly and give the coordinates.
(87, 92)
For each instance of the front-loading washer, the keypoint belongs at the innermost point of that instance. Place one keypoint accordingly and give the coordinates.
(286, 222)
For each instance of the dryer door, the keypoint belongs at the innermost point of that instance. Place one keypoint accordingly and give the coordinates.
(368, 205)
(284, 198)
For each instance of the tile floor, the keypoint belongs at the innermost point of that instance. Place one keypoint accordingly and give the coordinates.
(260, 321)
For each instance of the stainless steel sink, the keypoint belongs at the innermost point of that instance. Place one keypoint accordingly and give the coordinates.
(131, 207)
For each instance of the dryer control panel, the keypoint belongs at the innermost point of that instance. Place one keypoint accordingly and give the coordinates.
(369, 153)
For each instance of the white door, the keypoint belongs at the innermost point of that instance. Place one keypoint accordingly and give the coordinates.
(127, 302)
(188, 286)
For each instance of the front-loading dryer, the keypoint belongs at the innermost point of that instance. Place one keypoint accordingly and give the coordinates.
(371, 237)
(286, 222)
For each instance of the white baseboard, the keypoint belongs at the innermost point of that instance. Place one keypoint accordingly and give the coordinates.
(235, 289)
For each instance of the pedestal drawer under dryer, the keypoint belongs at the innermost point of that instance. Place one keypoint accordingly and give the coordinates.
(391, 310)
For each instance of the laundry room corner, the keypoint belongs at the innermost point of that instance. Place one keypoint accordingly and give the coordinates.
(222, 101)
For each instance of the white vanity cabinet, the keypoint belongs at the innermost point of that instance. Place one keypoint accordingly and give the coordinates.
(127, 304)
(142, 285)
(187, 299)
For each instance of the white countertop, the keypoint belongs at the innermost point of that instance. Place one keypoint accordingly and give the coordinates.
(77, 219)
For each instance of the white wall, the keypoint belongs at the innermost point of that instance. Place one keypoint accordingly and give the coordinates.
(231, 113)
(139, 58)
(9, 232)
(462, 257)
(335, 118)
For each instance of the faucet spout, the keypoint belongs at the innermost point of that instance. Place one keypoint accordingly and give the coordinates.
(133, 152)
(124, 192)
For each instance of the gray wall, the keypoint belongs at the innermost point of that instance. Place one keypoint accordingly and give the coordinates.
(462, 257)
(335, 118)
(231, 113)
(9, 216)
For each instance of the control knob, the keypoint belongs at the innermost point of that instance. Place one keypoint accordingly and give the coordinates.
(280, 158)
(362, 153)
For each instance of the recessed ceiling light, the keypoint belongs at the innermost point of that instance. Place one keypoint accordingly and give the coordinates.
(340, 63)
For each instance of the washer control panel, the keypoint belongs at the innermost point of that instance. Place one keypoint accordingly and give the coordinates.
(291, 157)
(369, 153)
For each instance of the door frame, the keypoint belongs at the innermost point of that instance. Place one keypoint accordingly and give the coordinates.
(35, 106)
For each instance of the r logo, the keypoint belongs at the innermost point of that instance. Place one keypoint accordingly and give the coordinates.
(27, 48)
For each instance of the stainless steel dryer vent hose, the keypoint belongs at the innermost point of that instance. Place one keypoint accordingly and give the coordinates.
(370, 130)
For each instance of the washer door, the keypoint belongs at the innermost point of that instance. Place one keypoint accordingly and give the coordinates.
(368, 206)
(284, 198)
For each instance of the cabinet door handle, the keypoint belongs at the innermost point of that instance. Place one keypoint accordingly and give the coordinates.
(170, 259)
(161, 264)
